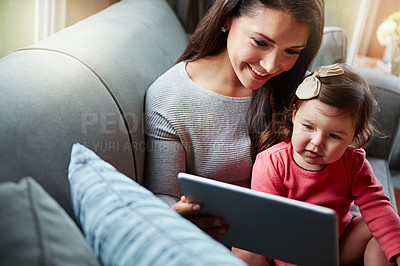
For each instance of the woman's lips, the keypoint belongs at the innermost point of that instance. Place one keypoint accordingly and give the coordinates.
(258, 75)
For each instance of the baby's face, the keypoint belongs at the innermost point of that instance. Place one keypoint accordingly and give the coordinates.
(321, 134)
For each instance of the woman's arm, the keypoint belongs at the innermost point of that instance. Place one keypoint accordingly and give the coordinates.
(164, 160)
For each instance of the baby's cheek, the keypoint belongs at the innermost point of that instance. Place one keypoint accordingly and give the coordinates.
(296, 131)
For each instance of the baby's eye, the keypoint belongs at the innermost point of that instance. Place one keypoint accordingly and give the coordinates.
(334, 136)
(308, 127)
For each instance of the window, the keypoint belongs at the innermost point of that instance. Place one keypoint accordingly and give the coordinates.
(360, 19)
(24, 22)
(49, 17)
(16, 24)
(351, 16)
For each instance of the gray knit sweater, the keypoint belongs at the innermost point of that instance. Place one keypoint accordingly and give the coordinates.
(194, 130)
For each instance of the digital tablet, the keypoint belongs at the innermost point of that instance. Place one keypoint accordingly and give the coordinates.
(266, 224)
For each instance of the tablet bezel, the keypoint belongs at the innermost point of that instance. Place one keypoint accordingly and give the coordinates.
(267, 224)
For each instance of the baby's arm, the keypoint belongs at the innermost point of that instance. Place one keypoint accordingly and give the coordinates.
(251, 258)
(376, 209)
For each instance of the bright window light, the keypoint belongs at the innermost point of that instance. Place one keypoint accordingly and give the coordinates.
(49, 17)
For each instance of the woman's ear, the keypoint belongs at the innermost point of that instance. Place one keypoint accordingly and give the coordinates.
(227, 23)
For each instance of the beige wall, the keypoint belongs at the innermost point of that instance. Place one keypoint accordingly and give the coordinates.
(17, 19)
(16, 24)
(16, 29)
(384, 9)
(80, 9)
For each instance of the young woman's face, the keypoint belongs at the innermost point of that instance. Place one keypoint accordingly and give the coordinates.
(264, 45)
(321, 134)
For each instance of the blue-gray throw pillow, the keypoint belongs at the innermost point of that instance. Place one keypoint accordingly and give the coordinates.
(126, 224)
(36, 231)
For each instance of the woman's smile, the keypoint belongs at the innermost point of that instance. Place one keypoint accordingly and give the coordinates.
(257, 74)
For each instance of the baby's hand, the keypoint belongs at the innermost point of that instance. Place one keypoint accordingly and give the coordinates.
(213, 226)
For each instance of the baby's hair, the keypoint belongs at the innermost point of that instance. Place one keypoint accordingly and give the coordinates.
(352, 94)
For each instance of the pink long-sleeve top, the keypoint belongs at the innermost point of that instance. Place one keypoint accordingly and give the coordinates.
(336, 186)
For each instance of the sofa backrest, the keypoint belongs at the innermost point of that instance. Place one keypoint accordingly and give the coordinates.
(333, 48)
(85, 84)
(387, 93)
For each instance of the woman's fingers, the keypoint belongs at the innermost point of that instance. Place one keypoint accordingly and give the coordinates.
(185, 208)
(217, 233)
(213, 226)
(205, 222)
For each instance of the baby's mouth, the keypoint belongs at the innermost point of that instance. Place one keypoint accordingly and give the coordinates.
(312, 154)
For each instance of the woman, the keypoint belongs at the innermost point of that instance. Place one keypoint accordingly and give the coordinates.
(245, 57)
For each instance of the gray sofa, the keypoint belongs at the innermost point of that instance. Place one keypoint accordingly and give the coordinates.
(87, 83)
(384, 152)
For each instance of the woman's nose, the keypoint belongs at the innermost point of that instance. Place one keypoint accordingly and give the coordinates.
(270, 62)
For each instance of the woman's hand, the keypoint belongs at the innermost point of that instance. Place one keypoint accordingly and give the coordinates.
(213, 226)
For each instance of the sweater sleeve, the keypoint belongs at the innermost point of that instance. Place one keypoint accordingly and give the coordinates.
(164, 160)
(194, 130)
(165, 154)
(375, 207)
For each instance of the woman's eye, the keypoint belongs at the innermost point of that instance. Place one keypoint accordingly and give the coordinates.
(259, 42)
(293, 52)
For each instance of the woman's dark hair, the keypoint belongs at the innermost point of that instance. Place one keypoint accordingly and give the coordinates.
(269, 101)
(352, 95)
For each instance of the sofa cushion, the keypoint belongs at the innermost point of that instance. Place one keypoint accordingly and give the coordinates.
(127, 225)
(381, 171)
(35, 230)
